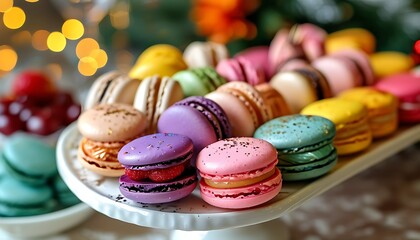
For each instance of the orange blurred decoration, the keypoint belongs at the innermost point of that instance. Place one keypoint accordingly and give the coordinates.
(223, 21)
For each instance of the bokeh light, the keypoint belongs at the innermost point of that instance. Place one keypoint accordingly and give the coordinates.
(73, 29)
(8, 58)
(32, 1)
(100, 57)
(5, 5)
(56, 41)
(85, 47)
(39, 40)
(22, 38)
(14, 18)
(87, 66)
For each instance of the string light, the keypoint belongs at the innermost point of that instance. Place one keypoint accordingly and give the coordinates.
(100, 57)
(73, 29)
(14, 18)
(85, 47)
(87, 66)
(56, 42)
(5, 5)
(8, 58)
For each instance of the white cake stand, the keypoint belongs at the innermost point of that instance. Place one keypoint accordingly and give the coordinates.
(192, 217)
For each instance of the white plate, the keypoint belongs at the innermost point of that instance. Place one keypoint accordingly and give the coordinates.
(45, 224)
(192, 213)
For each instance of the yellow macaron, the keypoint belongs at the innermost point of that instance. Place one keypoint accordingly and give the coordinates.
(382, 108)
(351, 121)
(355, 38)
(159, 59)
(390, 62)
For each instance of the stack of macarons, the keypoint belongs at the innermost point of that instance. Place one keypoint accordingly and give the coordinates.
(29, 180)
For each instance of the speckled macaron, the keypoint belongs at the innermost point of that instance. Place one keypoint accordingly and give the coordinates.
(304, 145)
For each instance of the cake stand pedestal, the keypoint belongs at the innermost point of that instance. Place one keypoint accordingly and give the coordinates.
(192, 218)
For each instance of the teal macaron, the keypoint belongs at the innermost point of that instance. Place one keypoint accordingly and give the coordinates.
(62, 192)
(198, 81)
(20, 199)
(29, 159)
(304, 144)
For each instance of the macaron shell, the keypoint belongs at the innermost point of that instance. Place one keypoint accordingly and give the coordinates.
(196, 82)
(155, 148)
(204, 54)
(339, 111)
(296, 131)
(245, 197)
(351, 37)
(363, 61)
(258, 56)
(389, 63)
(199, 129)
(405, 86)
(124, 91)
(353, 144)
(30, 157)
(111, 122)
(296, 90)
(340, 73)
(235, 155)
(237, 113)
(313, 40)
(99, 88)
(282, 49)
(274, 100)
(309, 170)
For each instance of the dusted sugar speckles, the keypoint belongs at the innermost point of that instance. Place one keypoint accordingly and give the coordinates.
(295, 131)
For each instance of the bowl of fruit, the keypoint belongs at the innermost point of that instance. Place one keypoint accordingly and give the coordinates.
(35, 105)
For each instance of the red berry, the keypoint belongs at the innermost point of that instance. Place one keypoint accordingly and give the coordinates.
(136, 175)
(63, 99)
(33, 83)
(10, 124)
(43, 123)
(164, 175)
(4, 105)
(15, 108)
(27, 112)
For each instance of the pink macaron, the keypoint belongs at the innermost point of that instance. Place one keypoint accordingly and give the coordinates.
(340, 72)
(239, 173)
(406, 87)
(258, 56)
(241, 69)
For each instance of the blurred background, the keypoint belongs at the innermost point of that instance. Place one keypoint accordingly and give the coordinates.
(76, 40)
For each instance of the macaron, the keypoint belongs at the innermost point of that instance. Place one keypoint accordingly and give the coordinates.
(304, 144)
(406, 87)
(197, 117)
(241, 69)
(106, 128)
(244, 106)
(111, 87)
(205, 54)
(157, 168)
(258, 56)
(341, 73)
(388, 63)
(382, 108)
(362, 62)
(29, 159)
(159, 59)
(62, 193)
(238, 173)
(350, 117)
(199, 81)
(18, 199)
(154, 95)
(301, 87)
(354, 38)
(275, 101)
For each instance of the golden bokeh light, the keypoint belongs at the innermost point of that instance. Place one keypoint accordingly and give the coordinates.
(8, 58)
(32, 1)
(14, 18)
(87, 66)
(39, 40)
(56, 42)
(73, 29)
(100, 57)
(5, 5)
(85, 47)
(22, 38)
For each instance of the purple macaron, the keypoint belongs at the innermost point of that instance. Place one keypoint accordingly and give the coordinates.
(199, 118)
(158, 168)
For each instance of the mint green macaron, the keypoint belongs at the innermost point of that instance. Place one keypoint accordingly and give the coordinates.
(198, 81)
(304, 144)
